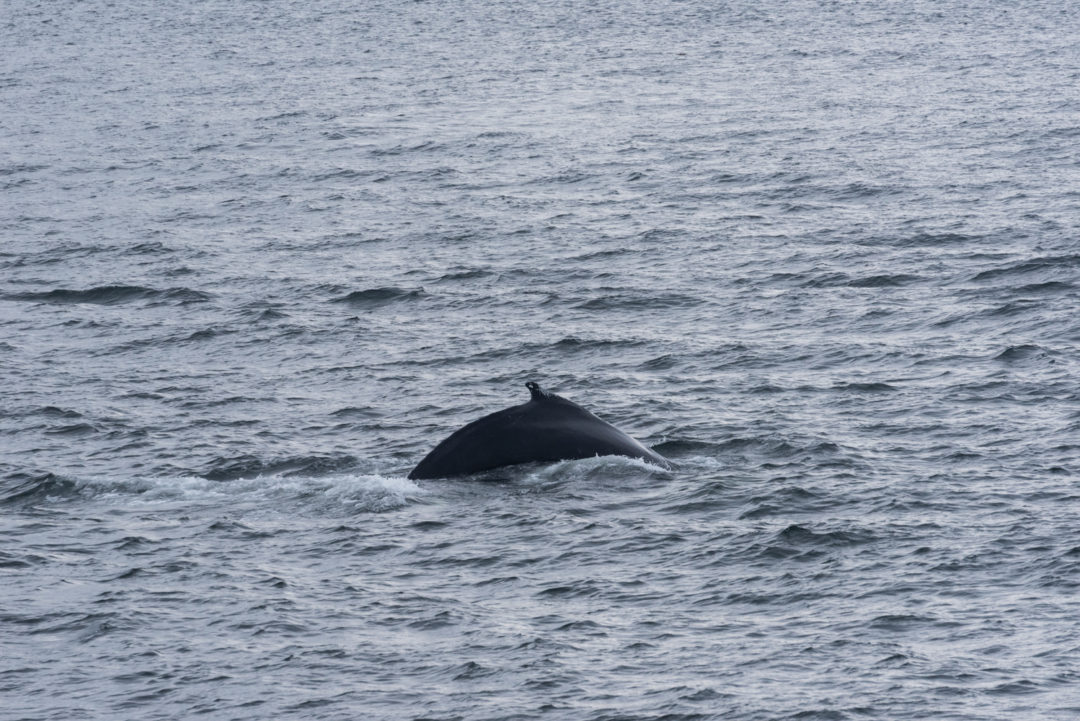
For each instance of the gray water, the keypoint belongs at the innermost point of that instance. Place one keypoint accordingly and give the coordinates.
(258, 258)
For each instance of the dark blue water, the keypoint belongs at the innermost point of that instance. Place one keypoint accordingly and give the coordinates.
(257, 258)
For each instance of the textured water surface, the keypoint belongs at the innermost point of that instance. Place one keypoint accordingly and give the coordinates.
(257, 259)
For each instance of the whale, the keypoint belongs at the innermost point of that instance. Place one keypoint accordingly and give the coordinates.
(545, 429)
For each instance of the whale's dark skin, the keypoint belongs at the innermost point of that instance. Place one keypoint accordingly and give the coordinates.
(548, 428)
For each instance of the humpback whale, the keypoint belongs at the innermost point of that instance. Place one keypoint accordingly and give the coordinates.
(545, 429)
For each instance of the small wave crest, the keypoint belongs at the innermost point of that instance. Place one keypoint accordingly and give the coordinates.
(630, 301)
(111, 295)
(377, 297)
(228, 469)
(1028, 266)
(1020, 353)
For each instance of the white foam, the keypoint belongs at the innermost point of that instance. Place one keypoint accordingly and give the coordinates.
(595, 466)
(350, 493)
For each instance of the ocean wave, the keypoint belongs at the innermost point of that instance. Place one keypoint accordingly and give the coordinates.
(465, 274)
(884, 281)
(1050, 287)
(111, 295)
(21, 168)
(1023, 352)
(660, 363)
(26, 488)
(227, 469)
(1031, 265)
(378, 297)
(797, 535)
(425, 147)
(865, 387)
(574, 343)
(631, 301)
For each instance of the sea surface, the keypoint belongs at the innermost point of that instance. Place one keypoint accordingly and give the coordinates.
(258, 258)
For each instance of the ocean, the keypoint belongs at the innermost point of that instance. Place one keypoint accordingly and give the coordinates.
(258, 258)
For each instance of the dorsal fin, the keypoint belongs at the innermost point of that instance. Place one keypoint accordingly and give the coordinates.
(538, 393)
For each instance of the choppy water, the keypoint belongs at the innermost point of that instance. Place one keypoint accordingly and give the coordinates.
(256, 259)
